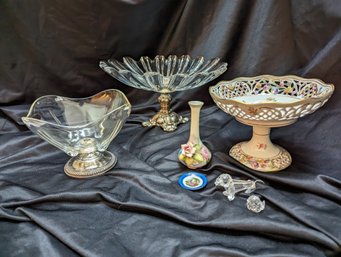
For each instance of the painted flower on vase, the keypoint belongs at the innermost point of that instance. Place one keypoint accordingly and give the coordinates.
(205, 153)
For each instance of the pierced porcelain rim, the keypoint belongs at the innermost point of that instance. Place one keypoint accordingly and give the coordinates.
(216, 98)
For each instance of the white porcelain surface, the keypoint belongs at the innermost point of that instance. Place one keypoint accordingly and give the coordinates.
(266, 98)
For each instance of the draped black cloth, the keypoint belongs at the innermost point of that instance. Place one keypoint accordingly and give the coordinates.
(137, 208)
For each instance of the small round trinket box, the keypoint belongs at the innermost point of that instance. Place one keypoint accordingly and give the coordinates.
(192, 181)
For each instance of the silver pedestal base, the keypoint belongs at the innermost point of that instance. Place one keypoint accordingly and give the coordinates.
(90, 165)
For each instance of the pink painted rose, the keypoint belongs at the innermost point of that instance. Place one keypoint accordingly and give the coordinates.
(188, 149)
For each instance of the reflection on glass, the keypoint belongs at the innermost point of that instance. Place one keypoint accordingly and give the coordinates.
(165, 75)
(81, 127)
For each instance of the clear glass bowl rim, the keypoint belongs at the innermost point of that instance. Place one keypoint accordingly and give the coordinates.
(126, 104)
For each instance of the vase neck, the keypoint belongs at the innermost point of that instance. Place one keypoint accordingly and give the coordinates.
(195, 120)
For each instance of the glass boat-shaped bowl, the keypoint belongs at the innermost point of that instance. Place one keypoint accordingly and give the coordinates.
(165, 75)
(81, 127)
(265, 102)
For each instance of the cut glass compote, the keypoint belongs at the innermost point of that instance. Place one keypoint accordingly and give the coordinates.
(165, 75)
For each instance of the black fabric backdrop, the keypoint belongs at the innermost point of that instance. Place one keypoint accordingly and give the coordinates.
(137, 209)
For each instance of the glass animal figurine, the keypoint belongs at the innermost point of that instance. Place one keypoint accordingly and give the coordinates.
(234, 186)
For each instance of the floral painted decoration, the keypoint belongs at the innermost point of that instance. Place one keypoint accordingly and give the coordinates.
(188, 149)
(193, 182)
(194, 155)
(281, 161)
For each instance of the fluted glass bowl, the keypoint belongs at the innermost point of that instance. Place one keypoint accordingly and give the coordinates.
(264, 102)
(165, 75)
(81, 127)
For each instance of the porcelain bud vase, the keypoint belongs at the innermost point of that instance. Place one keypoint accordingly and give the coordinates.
(194, 154)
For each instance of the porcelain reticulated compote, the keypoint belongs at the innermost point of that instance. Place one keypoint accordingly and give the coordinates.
(265, 102)
(165, 75)
(81, 127)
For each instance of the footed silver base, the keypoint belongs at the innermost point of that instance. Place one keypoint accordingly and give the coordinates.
(90, 164)
(165, 118)
(167, 121)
